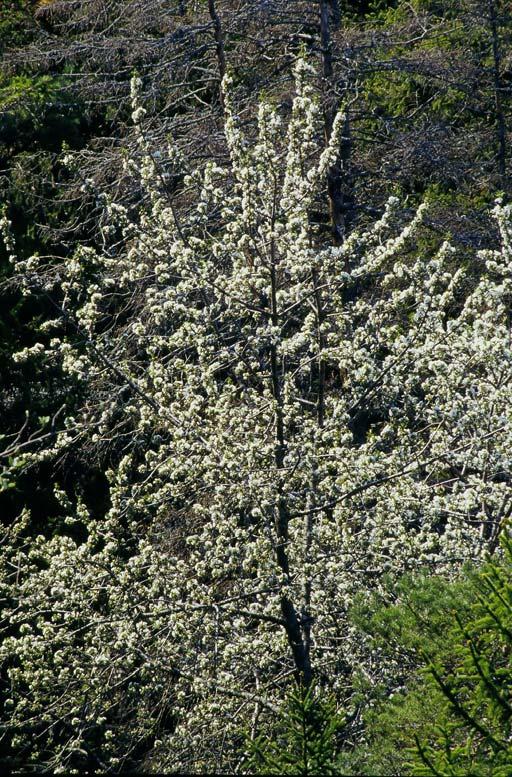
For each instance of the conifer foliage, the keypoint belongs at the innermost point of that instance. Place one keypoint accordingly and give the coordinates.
(474, 688)
(304, 738)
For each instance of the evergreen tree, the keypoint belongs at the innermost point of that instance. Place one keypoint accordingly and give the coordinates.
(449, 714)
(302, 740)
(473, 688)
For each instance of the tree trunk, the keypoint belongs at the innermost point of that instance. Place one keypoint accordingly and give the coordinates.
(338, 184)
(219, 43)
(498, 88)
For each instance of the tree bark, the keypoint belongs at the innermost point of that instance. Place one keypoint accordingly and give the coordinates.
(498, 88)
(219, 43)
(338, 185)
(292, 622)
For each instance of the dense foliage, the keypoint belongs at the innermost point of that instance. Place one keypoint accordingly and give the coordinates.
(472, 732)
(453, 640)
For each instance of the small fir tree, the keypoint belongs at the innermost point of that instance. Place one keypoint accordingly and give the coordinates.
(473, 731)
(303, 739)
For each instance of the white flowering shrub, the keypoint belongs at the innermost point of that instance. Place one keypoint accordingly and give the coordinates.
(289, 421)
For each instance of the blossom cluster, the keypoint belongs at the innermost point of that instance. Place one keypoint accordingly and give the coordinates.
(302, 419)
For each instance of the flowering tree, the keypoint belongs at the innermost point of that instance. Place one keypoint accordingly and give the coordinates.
(288, 421)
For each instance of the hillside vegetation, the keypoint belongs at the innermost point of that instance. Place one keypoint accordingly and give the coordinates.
(256, 387)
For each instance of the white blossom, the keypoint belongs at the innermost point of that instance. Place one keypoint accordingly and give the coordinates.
(296, 420)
